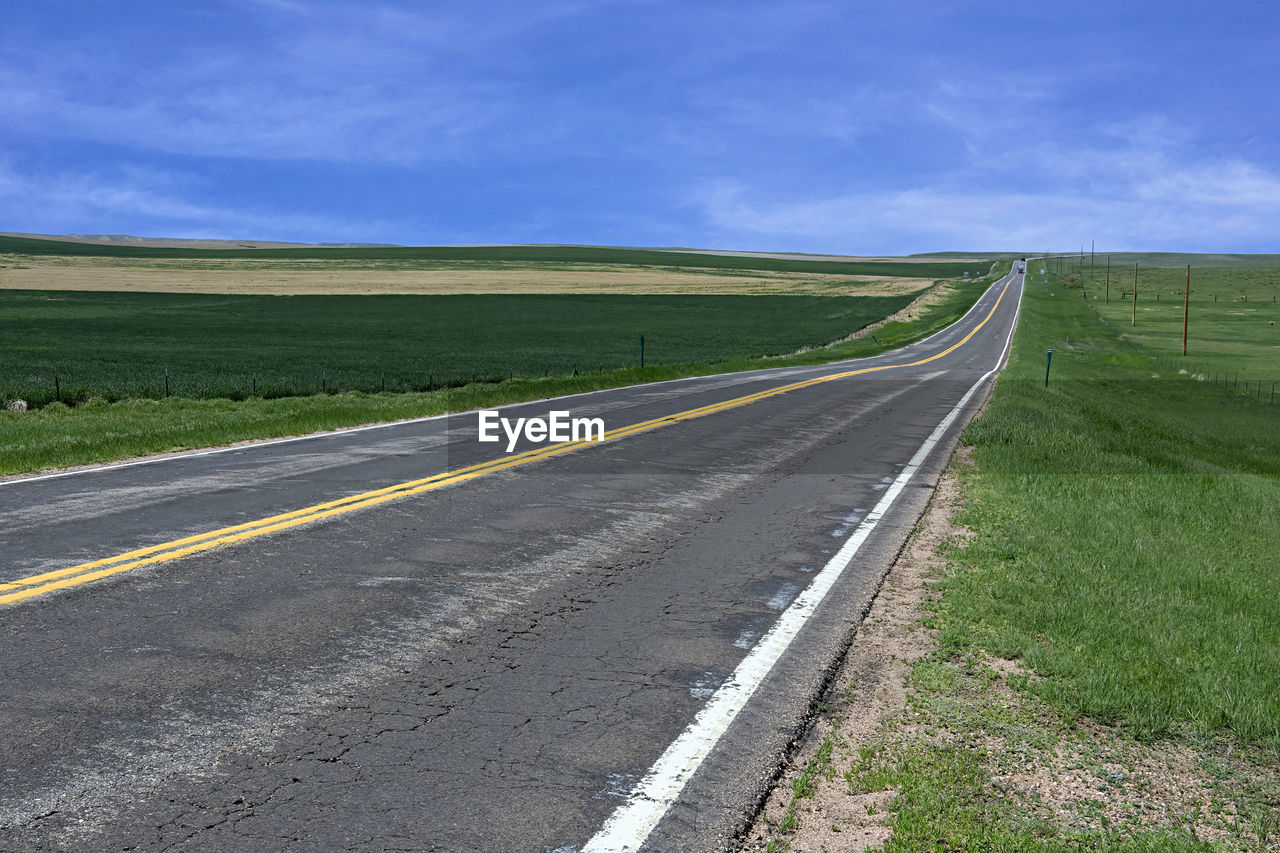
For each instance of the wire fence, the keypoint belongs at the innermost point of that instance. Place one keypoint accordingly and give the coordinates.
(77, 386)
(1226, 378)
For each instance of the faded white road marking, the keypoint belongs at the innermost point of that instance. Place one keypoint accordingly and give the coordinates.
(784, 596)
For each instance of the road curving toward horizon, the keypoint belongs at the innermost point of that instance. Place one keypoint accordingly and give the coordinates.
(398, 637)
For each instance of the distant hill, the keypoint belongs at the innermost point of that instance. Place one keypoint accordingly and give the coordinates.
(184, 242)
(993, 255)
(501, 256)
(1180, 259)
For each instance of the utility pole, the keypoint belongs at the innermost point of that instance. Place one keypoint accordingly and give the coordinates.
(1091, 247)
(1186, 306)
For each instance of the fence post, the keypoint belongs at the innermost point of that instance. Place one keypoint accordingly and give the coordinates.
(642, 350)
(1134, 321)
(166, 383)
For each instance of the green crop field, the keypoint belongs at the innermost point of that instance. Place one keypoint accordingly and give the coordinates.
(99, 431)
(120, 345)
(507, 256)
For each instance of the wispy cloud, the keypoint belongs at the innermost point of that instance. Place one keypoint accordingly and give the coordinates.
(66, 201)
(1205, 206)
(358, 83)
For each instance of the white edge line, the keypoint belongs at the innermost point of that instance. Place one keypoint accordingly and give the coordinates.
(195, 454)
(631, 823)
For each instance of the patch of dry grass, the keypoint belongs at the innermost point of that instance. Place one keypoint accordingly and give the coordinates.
(320, 277)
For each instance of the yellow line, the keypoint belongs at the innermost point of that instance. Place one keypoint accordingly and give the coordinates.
(34, 585)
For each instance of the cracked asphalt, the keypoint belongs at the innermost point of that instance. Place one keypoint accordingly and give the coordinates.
(491, 666)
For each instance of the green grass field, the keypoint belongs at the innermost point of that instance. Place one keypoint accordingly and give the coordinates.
(120, 345)
(1129, 521)
(1169, 260)
(1233, 322)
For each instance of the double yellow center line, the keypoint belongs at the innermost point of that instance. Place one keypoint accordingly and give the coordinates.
(29, 587)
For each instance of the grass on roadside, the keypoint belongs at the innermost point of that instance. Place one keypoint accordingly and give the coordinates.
(1129, 522)
(978, 763)
(1108, 660)
(803, 787)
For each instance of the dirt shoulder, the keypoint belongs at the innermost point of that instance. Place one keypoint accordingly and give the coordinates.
(959, 747)
(869, 690)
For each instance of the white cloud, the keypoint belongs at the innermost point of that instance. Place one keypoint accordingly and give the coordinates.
(1217, 206)
(345, 83)
(1232, 185)
(86, 201)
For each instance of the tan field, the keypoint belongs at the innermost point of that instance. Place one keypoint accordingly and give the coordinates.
(284, 277)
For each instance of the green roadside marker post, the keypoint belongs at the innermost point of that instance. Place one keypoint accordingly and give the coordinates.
(1047, 361)
(642, 350)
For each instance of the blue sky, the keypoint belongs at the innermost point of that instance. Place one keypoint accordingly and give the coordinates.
(855, 127)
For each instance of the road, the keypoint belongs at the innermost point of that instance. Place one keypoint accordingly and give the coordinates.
(400, 638)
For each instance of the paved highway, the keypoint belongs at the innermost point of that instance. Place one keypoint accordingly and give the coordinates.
(400, 638)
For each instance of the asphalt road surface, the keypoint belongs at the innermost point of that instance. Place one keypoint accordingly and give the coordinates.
(400, 638)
